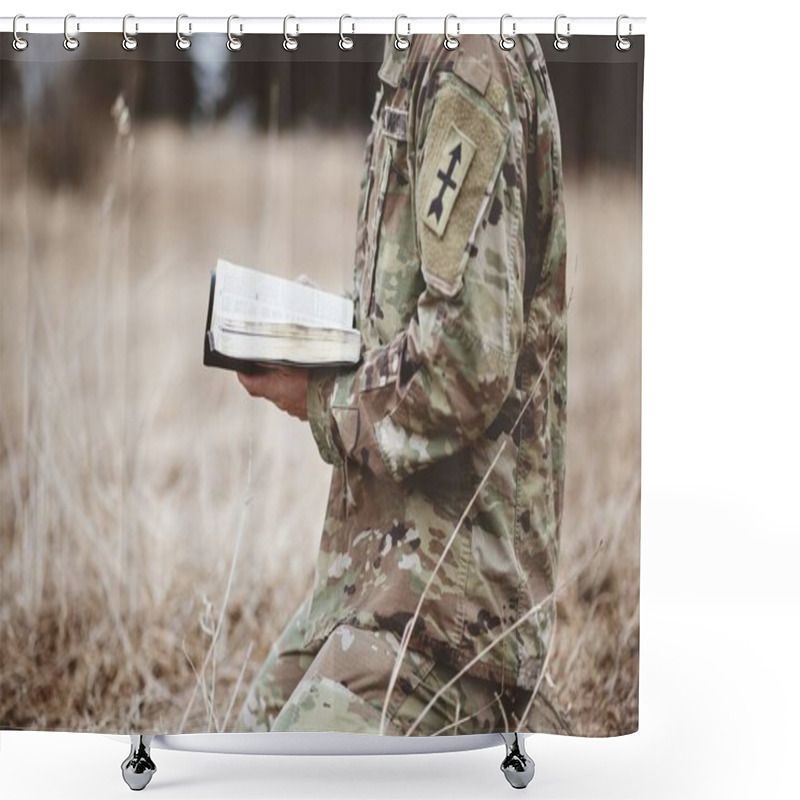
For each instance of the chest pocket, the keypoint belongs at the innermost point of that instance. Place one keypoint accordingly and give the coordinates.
(391, 276)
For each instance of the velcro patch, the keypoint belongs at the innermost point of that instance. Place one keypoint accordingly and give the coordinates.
(395, 123)
(451, 194)
(455, 157)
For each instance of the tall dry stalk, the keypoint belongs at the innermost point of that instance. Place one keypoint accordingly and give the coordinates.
(212, 626)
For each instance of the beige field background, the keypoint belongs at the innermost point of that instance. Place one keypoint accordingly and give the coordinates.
(158, 526)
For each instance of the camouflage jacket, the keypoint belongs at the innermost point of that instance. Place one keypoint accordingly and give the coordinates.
(447, 439)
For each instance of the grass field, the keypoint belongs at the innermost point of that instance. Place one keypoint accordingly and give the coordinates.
(157, 526)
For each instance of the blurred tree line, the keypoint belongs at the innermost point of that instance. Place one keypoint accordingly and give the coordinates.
(61, 101)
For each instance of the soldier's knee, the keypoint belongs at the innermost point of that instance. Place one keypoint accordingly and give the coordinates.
(352, 684)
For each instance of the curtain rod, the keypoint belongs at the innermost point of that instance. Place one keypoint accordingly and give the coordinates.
(295, 25)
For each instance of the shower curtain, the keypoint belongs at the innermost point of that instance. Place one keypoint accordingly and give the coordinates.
(438, 536)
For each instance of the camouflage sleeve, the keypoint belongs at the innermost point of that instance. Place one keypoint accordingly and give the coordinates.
(441, 382)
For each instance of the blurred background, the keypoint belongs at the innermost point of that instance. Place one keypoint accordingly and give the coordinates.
(157, 526)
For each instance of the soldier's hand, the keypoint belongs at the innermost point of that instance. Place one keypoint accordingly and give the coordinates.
(286, 387)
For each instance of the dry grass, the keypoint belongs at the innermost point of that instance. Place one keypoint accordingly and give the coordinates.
(131, 474)
(595, 663)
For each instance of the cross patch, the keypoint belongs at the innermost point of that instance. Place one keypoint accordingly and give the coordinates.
(455, 157)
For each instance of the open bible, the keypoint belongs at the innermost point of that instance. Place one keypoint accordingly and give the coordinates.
(256, 318)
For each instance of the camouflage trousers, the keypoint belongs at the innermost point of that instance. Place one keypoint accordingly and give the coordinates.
(341, 686)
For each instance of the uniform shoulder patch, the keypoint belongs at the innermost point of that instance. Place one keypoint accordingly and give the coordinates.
(465, 144)
(453, 162)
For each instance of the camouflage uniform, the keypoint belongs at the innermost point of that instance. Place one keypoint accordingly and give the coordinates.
(460, 300)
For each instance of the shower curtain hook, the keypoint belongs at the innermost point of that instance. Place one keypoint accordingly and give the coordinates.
(234, 43)
(70, 42)
(623, 44)
(19, 43)
(506, 42)
(182, 42)
(561, 42)
(345, 42)
(401, 41)
(128, 42)
(451, 42)
(289, 42)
